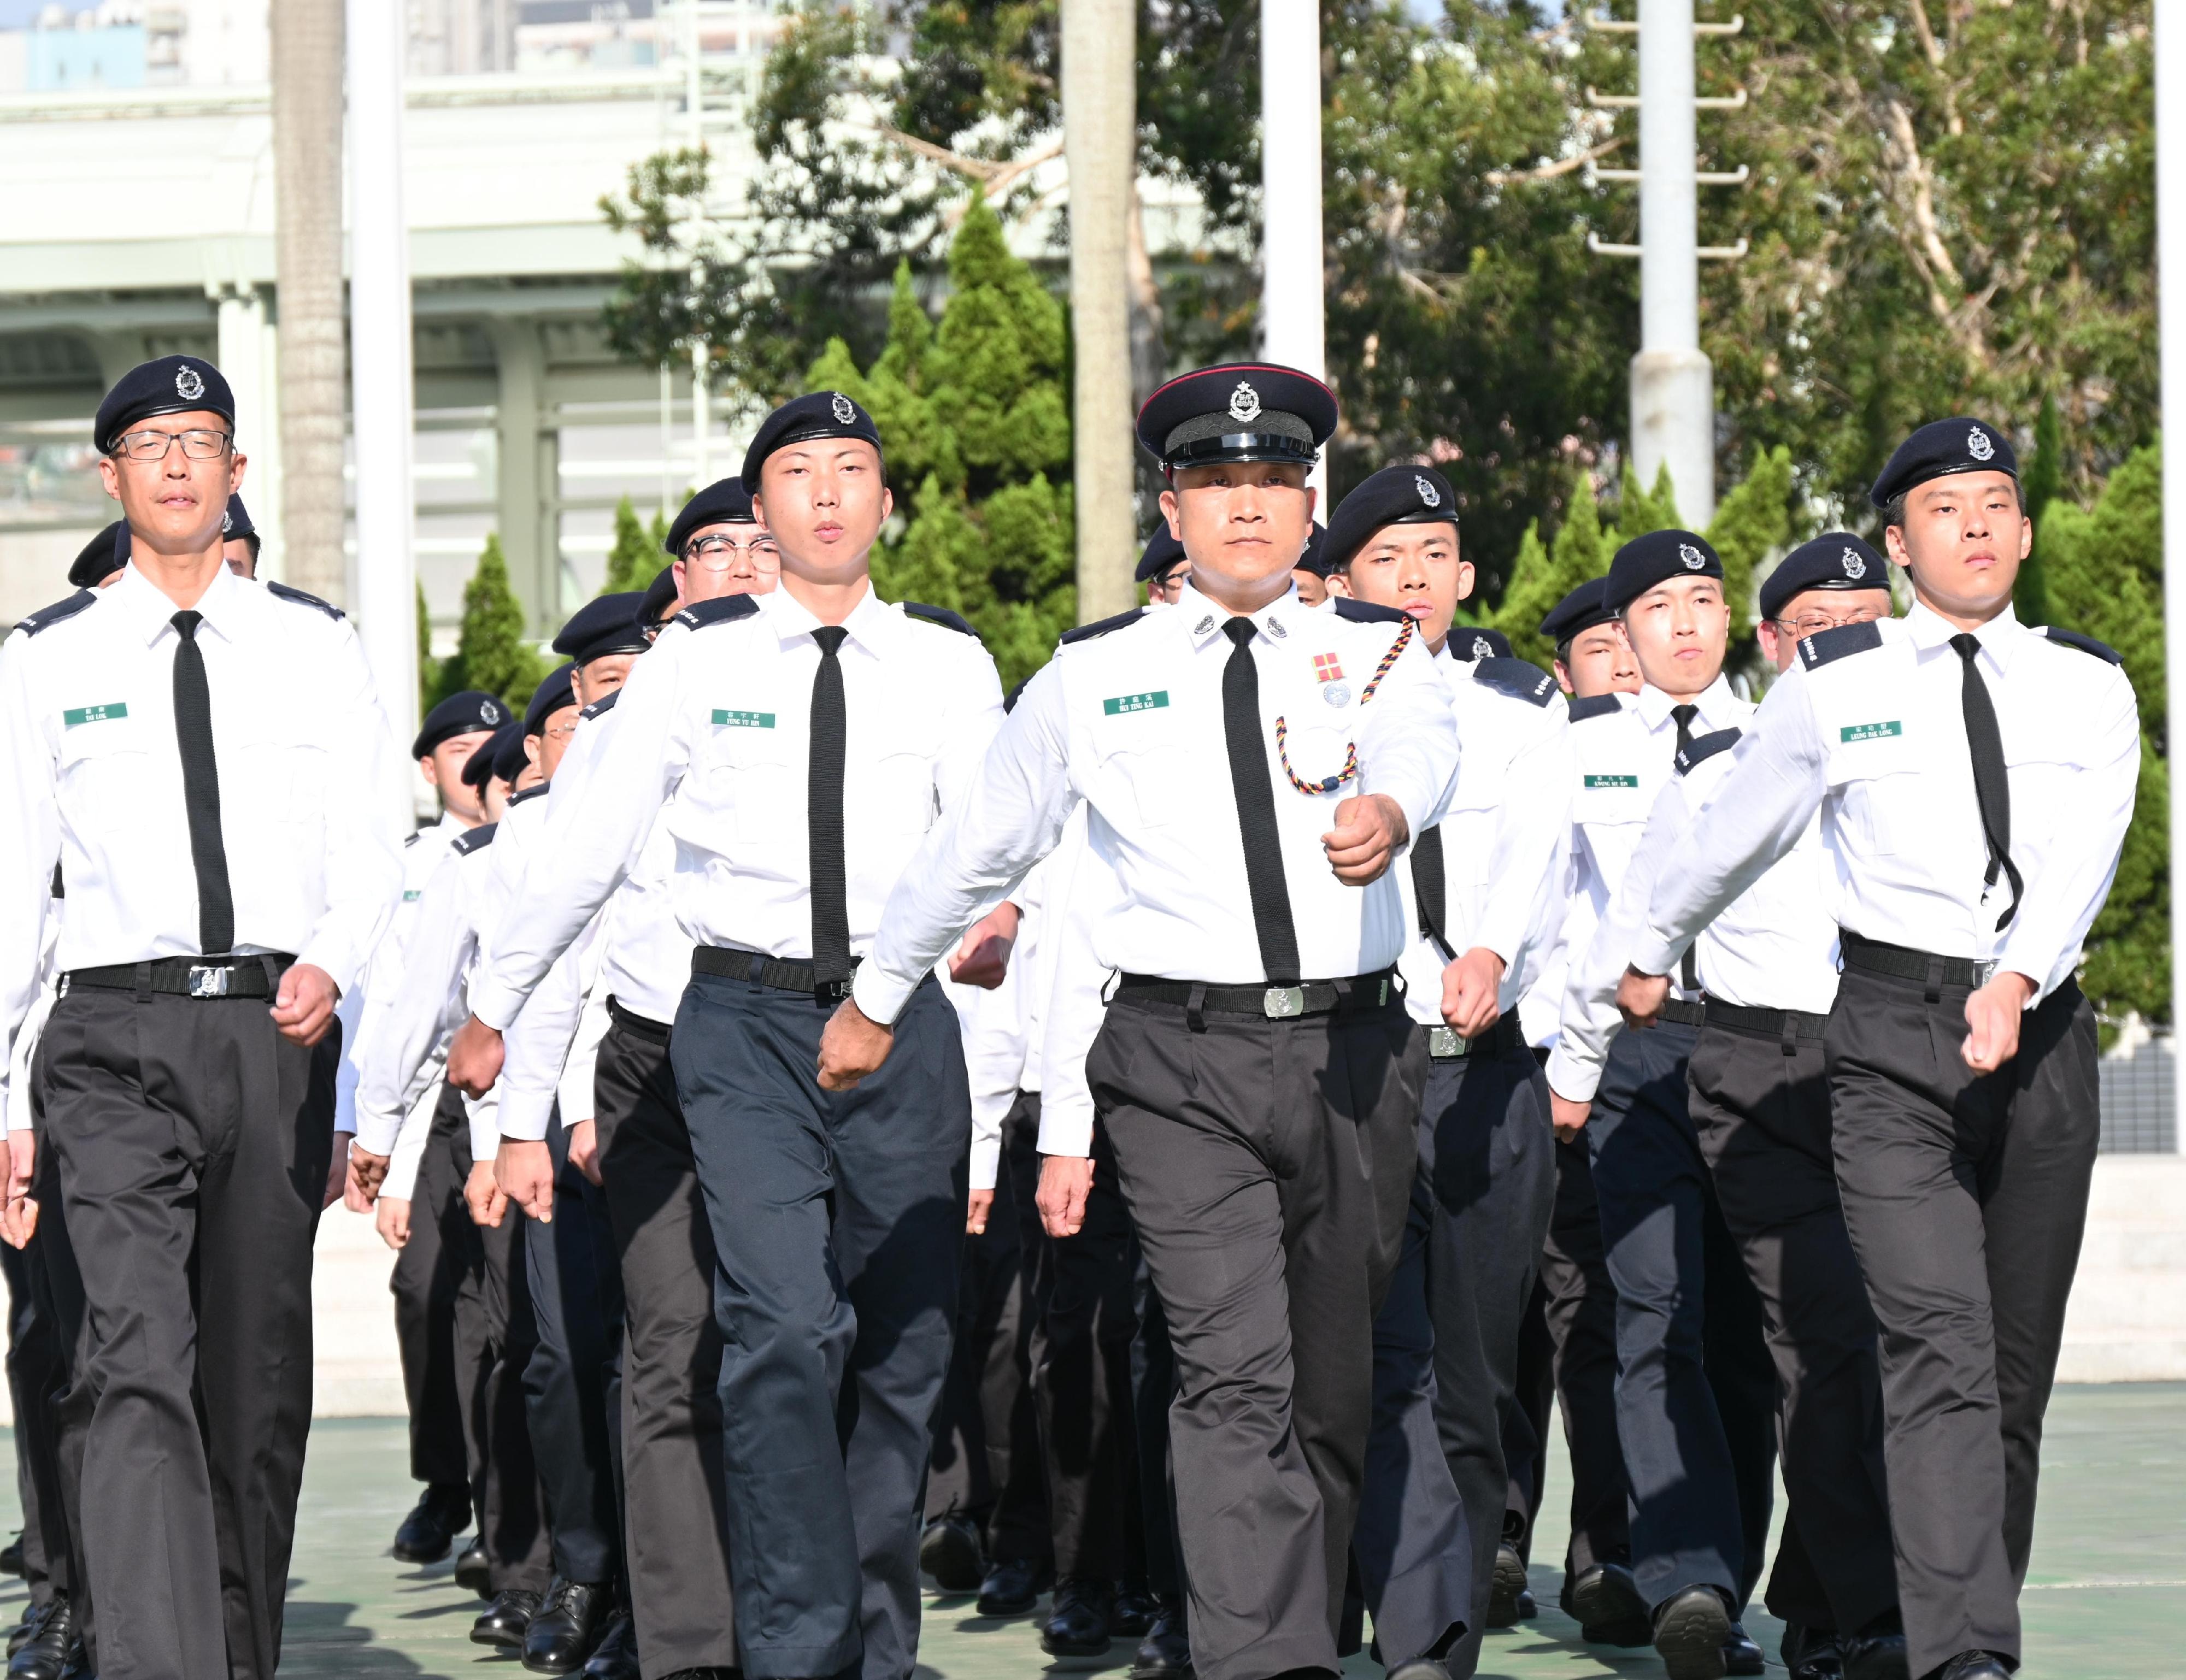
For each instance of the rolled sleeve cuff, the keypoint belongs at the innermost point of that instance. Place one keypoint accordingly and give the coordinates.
(495, 1004)
(1573, 1077)
(1066, 1128)
(879, 995)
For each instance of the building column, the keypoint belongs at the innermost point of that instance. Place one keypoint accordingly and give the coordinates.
(249, 346)
(524, 446)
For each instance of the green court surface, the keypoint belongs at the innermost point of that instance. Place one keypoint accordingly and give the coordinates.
(2106, 1598)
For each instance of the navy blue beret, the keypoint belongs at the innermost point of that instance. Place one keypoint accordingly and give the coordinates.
(1395, 495)
(463, 714)
(1164, 554)
(1582, 609)
(726, 501)
(236, 521)
(606, 624)
(1240, 411)
(1833, 560)
(483, 764)
(660, 597)
(549, 698)
(104, 555)
(1313, 556)
(509, 758)
(173, 384)
(1940, 448)
(1655, 558)
(823, 414)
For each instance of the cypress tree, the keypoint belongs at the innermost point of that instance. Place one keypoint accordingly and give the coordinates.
(490, 651)
(429, 668)
(1752, 522)
(632, 560)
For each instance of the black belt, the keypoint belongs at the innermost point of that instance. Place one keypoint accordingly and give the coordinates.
(1903, 962)
(1503, 1039)
(631, 1020)
(1679, 1013)
(773, 972)
(188, 976)
(1275, 1003)
(1786, 1026)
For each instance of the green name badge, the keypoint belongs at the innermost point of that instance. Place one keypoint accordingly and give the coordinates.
(1875, 731)
(724, 718)
(1135, 702)
(94, 714)
(1612, 781)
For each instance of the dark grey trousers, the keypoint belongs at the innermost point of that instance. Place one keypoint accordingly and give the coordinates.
(1268, 1165)
(192, 1144)
(678, 1545)
(1965, 1197)
(427, 1272)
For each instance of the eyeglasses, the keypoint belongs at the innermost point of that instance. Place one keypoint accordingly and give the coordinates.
(199, 443)
(1814, 623)
(718, 553)
(561, 732)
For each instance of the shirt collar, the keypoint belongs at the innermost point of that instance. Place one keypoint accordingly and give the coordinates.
(1202, 619)
(1927, 630)
(149, 611)
(1653, 704)
(870, 623)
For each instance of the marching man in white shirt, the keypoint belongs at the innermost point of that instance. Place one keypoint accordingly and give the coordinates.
(1258, 1076)
(1974, 779)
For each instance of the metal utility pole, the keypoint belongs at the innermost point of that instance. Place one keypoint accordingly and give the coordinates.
(307, 268)
(2171, 334)
(1292, 311)
(384, 399)
(1099, 123)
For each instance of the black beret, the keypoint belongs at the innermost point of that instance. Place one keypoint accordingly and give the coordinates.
(483, 764)
(1395, 495)
(1655, 558)
(605, 624)
(463, 714)
(1164, 554)
(236, 521)
(1313, 556)
(104, 555)
(509, 757)
(823, 414)
(1240, 411)
(1582, 609)
(660, 597)
(1833, 560)
(726, 501)
(549, 698)
(173, 385)
(1960, 445)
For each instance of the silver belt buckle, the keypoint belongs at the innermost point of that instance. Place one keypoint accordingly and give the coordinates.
(1282, 1002)
(1984, 971)
(1444, 1045)
(210, 983)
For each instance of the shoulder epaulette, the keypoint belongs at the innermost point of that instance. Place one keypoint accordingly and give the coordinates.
(1703, 748)
(1101, 626)
(1368, 611)
(2086, 644)
(721, 610)
(1594, 706)
(58, 891)
(411, 839)
(516, 799)
(46, 617)
(302, 599)
(598, 707)
(1836, 644)
(942, 616)
(474, 839)
(1517, 678)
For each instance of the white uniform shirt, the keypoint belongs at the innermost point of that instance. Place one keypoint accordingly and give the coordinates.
(92, 777)
(714, 725)
(1132, 722)
(1622, 760)
(1869, 728)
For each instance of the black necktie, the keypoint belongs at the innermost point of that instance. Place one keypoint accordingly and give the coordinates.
(1992, 787)
(1427, 886)
(1255, 789)
(1688, 974)
(831, 895)
(201, 789)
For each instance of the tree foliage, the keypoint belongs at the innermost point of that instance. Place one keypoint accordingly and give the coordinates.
(634, 555)
(491, 652)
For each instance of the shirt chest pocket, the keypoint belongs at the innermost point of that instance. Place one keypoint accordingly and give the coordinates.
(2041, 760)
(1877, 767)
(271, 775)
(1609, 799)
(1141, 769)
(103, 766)
(894, 793)
(751, 774)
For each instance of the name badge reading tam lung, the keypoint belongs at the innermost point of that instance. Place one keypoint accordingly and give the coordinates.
(94, 714)
(1874, 731)
(1117, 705)
(1612, 781)
(726, 719)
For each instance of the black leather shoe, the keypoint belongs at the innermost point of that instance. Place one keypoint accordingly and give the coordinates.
(433, 1524)
(563, 1633)
(1690, 1631)
(52, 1645)
(506, 1619)
(1508, 1587)
(1740, 1655)
(1812, 1653)
(1078, 1624)
(1973, 1666)
(11, 1555)
(616, 1656)
(1133, 1611)
(1165, 1654)
(1606, 1603)
(950, 1551)
(1876, 1657)
(1013, 1589)
(473, 1571)
(1419, 1668)
(33, 1616)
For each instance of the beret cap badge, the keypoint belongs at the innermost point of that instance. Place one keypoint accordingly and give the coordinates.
(489, 713)
(189, 383)
(1244, 402)
(1692, 556)
(1428, 494)
(1979, 444)
(845, 410)
(1855, 566)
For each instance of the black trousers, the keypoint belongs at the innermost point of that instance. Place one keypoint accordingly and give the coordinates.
(675, 1498)
(1268, 1165)
(37, 1369)
(986, 1464)
(193, 1143)
(61, 1413)
(1965, 1196)
(1695, 1391)
(424, 1283)
(838, 1224)
(1761, 1105)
